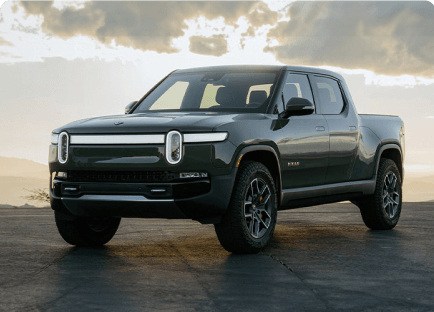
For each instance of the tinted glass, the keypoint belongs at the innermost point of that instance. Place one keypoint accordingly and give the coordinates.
(297, 86)
(172, 98)
(330, 96)
(213, 91)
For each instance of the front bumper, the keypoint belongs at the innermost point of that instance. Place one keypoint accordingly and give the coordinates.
(201, 200)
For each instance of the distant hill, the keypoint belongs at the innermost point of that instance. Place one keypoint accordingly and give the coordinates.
(418, 189)
(17, 167)
(19, 175)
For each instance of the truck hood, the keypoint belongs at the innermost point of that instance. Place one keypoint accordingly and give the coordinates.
(149, 123)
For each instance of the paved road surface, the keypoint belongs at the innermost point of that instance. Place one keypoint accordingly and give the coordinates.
(321, 259)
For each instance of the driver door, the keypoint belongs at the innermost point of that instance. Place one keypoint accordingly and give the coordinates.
(305, 147)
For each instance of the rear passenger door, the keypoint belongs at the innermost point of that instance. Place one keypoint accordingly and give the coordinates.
(305, 147)
(342, 124)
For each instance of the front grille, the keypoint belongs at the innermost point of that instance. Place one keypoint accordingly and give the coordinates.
(121, 176)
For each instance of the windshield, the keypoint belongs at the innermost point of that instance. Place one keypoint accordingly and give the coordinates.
(212, 91)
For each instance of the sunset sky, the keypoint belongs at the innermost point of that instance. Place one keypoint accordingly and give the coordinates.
(66, 60)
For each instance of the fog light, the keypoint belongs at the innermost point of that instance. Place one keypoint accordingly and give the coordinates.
(62, 175)
(184, 175)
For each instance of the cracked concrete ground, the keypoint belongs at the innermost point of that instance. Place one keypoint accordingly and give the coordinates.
(320, 259)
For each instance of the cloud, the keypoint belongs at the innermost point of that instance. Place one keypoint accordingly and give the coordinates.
(4, 42)
(215, 45)
(262, 15)
(145, 25)
(390, 38)
(250, 32)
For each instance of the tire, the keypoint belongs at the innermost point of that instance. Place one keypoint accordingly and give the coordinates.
(381, 211)
(253, 199)
(87, 231)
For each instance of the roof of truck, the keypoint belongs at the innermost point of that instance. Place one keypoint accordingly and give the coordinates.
(256, 68)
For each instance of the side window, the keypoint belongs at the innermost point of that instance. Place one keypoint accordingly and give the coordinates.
(297, 86)
(172, 98)
(330, 96)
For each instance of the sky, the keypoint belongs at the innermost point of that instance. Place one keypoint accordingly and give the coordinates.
(66, 60)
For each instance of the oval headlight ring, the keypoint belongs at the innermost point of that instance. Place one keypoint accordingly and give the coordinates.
(63, 147)
(173, 147)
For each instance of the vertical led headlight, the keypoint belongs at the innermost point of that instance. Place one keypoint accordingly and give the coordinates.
(174, 147)
(402, 140)
(62, 147)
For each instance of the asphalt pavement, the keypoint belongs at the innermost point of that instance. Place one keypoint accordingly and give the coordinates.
(321, 259)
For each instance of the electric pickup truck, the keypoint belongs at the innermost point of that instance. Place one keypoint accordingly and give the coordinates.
(229, 146)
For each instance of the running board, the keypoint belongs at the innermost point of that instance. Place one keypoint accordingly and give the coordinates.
(365, 187)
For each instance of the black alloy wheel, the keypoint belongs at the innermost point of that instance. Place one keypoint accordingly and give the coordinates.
(249, 221)
(258, 208)
(381, 211)
(391, 196)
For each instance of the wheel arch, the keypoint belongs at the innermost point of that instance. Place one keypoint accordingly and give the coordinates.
(394, 153)
(266, 155)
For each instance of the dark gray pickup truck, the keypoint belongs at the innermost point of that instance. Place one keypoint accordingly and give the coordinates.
(229, 146)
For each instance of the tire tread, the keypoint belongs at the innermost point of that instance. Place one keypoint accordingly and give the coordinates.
(371, 207)
(230, 232)
(76, 233)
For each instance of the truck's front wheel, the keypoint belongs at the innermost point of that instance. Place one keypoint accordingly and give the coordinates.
(381, 211)
(249, 221)
(87, 231)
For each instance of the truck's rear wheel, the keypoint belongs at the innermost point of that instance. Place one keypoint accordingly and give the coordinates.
(382, 210)
(249, 221)
(87, 231)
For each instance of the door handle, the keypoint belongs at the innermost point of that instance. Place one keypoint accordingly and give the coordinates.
(320, 128)
(352, 128)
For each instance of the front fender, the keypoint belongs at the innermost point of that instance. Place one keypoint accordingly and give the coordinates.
(266, 154)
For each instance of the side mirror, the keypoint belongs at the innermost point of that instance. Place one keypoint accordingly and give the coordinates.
(129, 107)
(298, 107)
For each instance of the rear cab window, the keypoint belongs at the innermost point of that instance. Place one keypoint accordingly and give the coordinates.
(330, 95)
